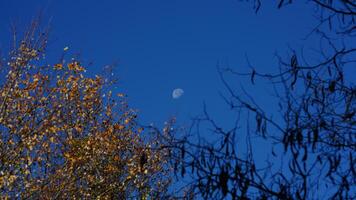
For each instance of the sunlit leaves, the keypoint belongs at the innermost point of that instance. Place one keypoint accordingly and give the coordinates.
(62, 136)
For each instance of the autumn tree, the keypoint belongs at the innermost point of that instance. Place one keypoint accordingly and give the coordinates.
(312, 137)
(65, 135)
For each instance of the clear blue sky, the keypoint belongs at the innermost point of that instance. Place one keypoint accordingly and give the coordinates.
(165, 44)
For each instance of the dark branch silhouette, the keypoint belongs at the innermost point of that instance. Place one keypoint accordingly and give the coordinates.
(314, 132)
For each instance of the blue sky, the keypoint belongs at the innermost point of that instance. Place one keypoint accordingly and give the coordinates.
(162, 45)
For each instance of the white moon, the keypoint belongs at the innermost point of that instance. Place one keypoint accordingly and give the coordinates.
(177, 93)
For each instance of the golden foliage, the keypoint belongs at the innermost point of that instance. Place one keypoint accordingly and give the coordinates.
(60, 138)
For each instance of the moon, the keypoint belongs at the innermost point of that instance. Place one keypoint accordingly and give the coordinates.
(177, 93)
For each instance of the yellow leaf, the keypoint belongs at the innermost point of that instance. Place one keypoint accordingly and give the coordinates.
(58, 66)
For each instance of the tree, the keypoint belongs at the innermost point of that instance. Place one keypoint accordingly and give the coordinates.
(315, 131)
(65, 135)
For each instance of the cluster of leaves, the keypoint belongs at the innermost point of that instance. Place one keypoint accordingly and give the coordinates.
(61, 136)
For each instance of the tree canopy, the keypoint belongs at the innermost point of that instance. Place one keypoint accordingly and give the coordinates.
(65, 135)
